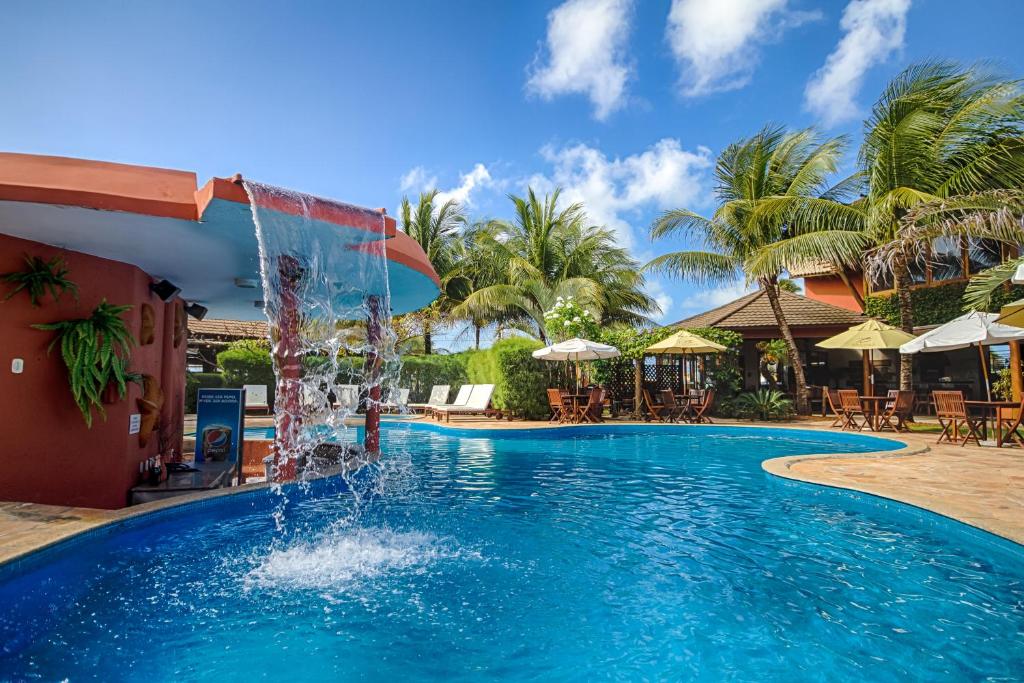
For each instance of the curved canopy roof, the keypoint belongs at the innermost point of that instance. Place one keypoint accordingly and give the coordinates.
(201, 239)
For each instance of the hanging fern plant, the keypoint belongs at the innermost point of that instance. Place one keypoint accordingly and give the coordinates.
(40, 277)
(96, 351)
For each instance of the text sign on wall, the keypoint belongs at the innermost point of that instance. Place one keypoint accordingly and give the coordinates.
(219, 415)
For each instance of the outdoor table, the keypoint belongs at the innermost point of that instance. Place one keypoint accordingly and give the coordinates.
(990, 410)
(576, 399)
(874, 406)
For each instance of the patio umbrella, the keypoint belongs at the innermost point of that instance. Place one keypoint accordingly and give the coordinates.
(865, 338)
(684, 343)
(576, 350)
(974, 328)
(1012, 314)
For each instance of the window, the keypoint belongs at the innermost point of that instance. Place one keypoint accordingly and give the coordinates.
(982, 254)
(947, 259)
(882, 280)
(918, 271)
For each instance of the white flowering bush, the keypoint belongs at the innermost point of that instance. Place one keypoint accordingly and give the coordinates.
(568, 319)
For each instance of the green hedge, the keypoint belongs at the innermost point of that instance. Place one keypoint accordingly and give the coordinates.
(194, 381)
(934, 305)
(520, 379)
(248, 362)
(421, 373)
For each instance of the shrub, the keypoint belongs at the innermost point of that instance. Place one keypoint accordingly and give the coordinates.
(420, 373)
(934, 305)
(764, 404)
(248, 362)
(520, 379)
(194, 381)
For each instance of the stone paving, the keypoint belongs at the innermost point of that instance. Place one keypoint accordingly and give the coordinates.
(983, 487)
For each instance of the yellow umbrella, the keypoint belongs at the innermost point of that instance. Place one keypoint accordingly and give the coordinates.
(683, 342)
(1012, 314)
(865, 338)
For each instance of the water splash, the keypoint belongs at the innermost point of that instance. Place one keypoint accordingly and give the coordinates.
(325, 285)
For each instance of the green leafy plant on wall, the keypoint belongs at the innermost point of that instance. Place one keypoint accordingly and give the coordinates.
(39, 278)
(96, 351)
(934, 305)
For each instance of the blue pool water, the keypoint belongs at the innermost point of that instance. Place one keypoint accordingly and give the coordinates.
(622, 552)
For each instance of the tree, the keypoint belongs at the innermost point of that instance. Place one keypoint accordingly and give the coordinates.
(771, 164)
(547, 252)
(436, 229)
(938, 132)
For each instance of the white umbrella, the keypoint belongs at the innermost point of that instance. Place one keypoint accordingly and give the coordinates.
(1018, 277)
(577, 350)
(969, 329)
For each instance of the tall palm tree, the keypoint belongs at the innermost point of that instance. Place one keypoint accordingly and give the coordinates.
(772, 163)
(546, 252)
(938, 132)
(436, 229)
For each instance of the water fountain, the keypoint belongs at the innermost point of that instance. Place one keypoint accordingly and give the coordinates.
(327, 300)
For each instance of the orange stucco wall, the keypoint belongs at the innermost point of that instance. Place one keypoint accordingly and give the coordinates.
(47, 454)
(831, 290)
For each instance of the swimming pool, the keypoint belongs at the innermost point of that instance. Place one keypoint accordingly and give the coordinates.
(621, 552)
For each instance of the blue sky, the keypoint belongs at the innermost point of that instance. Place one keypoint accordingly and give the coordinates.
(624, 104)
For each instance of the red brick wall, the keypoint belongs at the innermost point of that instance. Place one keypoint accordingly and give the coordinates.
(47, 454)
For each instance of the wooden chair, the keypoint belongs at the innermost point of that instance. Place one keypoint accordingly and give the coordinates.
(952, 413)
(851, 407)
(654, 410)
(901, 409)
(1009, 422)
(591, 410)
(832, 401)
(673, 411)
(561, 410)
(700, 411)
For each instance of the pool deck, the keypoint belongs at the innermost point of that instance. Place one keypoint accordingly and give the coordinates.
(983, 487)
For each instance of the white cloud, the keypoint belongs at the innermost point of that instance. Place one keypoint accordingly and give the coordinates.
(874, 29)
(586, 44)
(479, 177)
(417, 180)
(716, 42)
(615, 190)
(656, 290)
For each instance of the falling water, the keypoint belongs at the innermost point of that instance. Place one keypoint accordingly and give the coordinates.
(325, 284)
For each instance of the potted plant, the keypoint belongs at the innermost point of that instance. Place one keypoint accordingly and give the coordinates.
(95, 351)
(40, 277)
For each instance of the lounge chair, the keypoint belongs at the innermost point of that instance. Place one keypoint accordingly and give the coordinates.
(438, 397)
(396, 403)
(479, 403)
(346, 397)
(952, 413)
(461, 399)
(256, 398)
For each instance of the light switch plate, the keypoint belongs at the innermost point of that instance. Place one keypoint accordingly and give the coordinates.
(17, 366)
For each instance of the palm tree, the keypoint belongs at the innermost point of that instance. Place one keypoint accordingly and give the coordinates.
(771, 164)
(436, 229)
(547, 252)
(937, 132)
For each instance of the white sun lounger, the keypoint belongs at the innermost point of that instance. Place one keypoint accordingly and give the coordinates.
(479, 403)
(391, 405)
(461, 399)
(346, 397)
(438, 397)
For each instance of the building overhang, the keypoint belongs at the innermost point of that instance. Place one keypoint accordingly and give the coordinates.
(201, 239)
